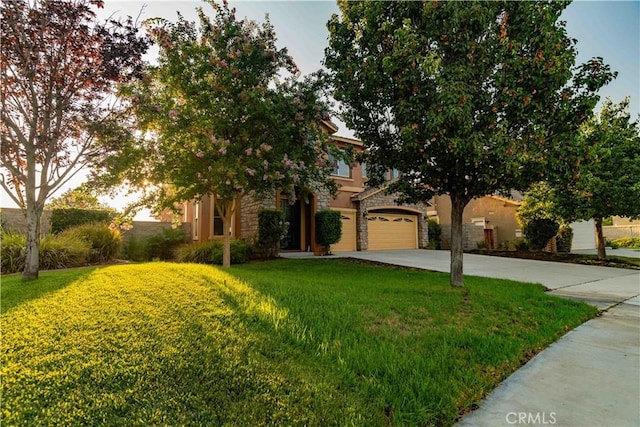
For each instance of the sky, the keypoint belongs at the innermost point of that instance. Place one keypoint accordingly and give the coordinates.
(608, 29)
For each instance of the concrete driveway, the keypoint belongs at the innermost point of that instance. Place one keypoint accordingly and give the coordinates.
(591, 376)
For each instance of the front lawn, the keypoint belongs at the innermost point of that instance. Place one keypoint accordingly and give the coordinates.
(288, 342)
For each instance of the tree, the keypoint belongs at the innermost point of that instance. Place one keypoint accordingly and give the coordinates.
(464, 99)
(80, 197)
(217, 121)
(607, 180)
(59, 66)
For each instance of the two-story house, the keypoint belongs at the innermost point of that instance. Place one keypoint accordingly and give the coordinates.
(371, 220)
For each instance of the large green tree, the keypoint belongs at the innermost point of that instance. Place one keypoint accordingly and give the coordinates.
(224, 114)
(59, 67)
(462, 98)
(607, 179)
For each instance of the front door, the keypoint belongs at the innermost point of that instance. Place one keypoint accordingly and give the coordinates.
(292, 215)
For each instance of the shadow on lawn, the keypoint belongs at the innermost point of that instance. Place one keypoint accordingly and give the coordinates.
(15, 292)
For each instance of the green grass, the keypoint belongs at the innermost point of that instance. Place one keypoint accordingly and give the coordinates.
(288, 342)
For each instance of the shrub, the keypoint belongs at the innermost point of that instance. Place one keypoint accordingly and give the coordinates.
(162, 245)
(210, 252)
(625, 242)
(133, 249)
(271, 229)
(62, 219)
(63, 252)
(328, 228)
(564, 239)
(435, 234)
(55, 252)
(521, 244)
(104, 242)
(482, 244)
(538, 231)
(506, 245)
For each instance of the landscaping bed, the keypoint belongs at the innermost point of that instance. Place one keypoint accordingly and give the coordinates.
(611, 261)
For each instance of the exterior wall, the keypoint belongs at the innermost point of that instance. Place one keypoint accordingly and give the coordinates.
(248, 214)
(14, 219)
(471, 235)
(619, 231)
(499, 214)
(144, 229)
(619, 221)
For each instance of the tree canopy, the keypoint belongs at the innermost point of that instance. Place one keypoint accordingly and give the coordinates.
(464, 99)
(59, 68)
(224, 114)
(607, 179)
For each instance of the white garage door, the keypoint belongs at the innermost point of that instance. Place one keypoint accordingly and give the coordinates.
(392, 231)
(348, 241)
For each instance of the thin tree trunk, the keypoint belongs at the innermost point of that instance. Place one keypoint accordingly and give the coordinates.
(226, 249)
(600, 244)
(227, 216)
(32, 251)
(457, 208)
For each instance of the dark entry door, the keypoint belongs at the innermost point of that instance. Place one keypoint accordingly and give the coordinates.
(292, 215)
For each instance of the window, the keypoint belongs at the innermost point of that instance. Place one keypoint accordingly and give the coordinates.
(340, 168)
(217, 224)
(394, 173)
(364, 169)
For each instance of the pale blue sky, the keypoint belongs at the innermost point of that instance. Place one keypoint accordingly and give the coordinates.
(610, 29)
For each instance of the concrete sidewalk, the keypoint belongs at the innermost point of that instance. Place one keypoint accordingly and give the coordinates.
(591, 376)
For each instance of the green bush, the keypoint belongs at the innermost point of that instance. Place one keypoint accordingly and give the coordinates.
(328, 228)
(62, 219)
(521, 244)
(482, 244)
(133, 249)
(55, 252)
(162, 245)
(435, 234)
(625, 242)
(271, 229)
(210, 252)
(538, 231)
(104, 242)
(506, 245)
(564, 239)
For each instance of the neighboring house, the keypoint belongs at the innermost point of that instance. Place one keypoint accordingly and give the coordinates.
(488, 219)
(370, 218)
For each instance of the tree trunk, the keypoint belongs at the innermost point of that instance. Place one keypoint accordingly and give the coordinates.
(457, 208)
(227, 215)
(600, 244)
(226, 249)
(32, 251)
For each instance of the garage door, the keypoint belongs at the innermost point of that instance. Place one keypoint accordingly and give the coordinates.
(392, 231)
(348, 241)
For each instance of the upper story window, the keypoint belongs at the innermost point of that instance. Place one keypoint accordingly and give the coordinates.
(340, 168)
(363, 166)
(394, 173)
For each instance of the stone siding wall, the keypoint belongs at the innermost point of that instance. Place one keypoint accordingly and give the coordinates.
(471, 235)
(249, 208)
